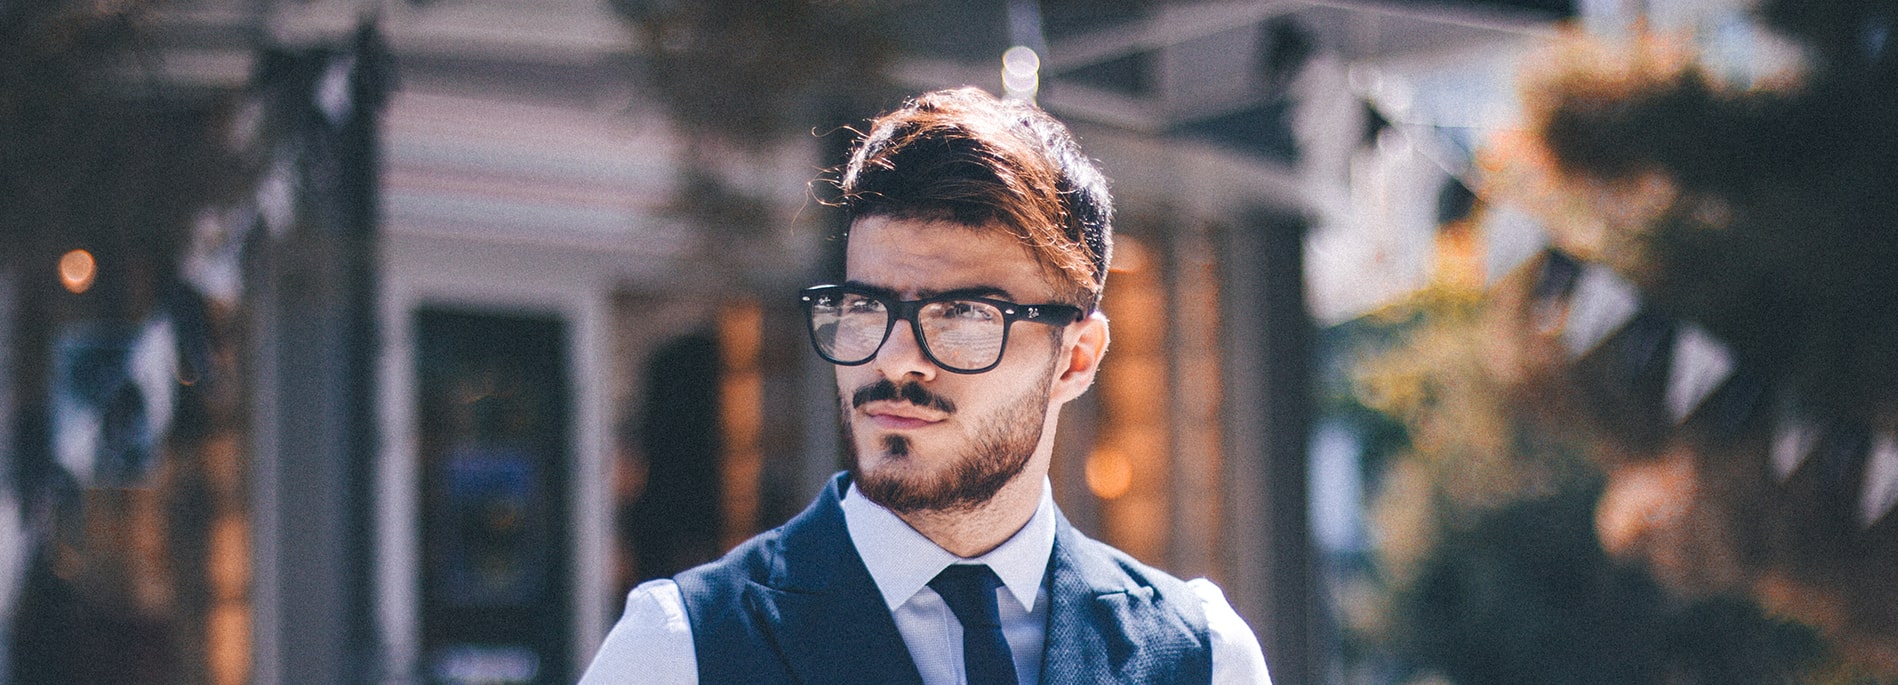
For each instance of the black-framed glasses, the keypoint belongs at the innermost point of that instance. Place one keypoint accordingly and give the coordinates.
(958, 333)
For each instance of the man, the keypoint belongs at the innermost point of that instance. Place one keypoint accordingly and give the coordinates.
(978, 247)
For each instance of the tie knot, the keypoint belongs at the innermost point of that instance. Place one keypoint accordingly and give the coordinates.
(969, 590)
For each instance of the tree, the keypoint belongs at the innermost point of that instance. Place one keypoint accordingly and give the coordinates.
(1759, 223)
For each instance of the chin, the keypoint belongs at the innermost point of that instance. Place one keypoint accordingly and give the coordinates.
(888, 453)
(904, 482)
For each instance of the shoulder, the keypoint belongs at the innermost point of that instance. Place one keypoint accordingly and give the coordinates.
(1234, 649)
(753, 560)
(1106, 567)
(1237, 657)
(652, 642)
(815, 538)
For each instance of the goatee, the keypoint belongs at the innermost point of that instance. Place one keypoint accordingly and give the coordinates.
(1004, 442)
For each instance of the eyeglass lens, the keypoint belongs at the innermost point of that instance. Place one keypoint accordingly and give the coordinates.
(958, 334)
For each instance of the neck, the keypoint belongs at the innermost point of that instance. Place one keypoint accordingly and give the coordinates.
(973, 532)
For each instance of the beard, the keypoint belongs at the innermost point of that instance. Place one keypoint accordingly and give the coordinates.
(1004, 441)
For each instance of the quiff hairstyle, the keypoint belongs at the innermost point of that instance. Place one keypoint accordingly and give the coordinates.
(965, 157)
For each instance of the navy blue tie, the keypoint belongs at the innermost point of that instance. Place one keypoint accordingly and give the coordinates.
(969, 590)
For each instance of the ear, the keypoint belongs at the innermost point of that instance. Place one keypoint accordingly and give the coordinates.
(1083, 359)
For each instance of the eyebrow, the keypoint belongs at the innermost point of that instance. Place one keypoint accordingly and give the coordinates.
(986, 291)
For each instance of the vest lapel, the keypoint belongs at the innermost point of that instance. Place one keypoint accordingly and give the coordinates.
(820, 609)
(1102, 625)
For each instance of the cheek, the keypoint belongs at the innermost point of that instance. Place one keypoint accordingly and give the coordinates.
(850, 378)
(1029, 357)
(846, 381)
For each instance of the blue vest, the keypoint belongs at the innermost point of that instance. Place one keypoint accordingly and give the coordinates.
(796, 605)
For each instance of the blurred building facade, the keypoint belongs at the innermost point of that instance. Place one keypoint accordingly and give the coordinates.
(527, 375)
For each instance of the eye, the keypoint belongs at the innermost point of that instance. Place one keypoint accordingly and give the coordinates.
(857, 304)
(967, 311)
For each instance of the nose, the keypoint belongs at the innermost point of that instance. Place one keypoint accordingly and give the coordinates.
(902, 356)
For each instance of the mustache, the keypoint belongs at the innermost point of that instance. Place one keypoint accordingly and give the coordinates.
(885, 391)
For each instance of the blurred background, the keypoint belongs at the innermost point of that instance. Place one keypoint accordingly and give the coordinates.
(1461, 342)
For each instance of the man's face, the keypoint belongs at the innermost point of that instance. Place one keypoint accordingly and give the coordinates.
(926, 439)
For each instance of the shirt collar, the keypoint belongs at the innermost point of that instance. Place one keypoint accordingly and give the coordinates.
(902, 561)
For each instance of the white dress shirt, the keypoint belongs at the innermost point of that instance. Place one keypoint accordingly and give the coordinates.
(652, 643)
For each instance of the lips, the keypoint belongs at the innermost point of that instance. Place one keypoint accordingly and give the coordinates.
(901, 416)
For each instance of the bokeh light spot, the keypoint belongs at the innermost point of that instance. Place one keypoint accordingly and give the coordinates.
(77, 270)
(1021, 72)
(1109, 474)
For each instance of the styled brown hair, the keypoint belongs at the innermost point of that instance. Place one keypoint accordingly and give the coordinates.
(964, 156)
